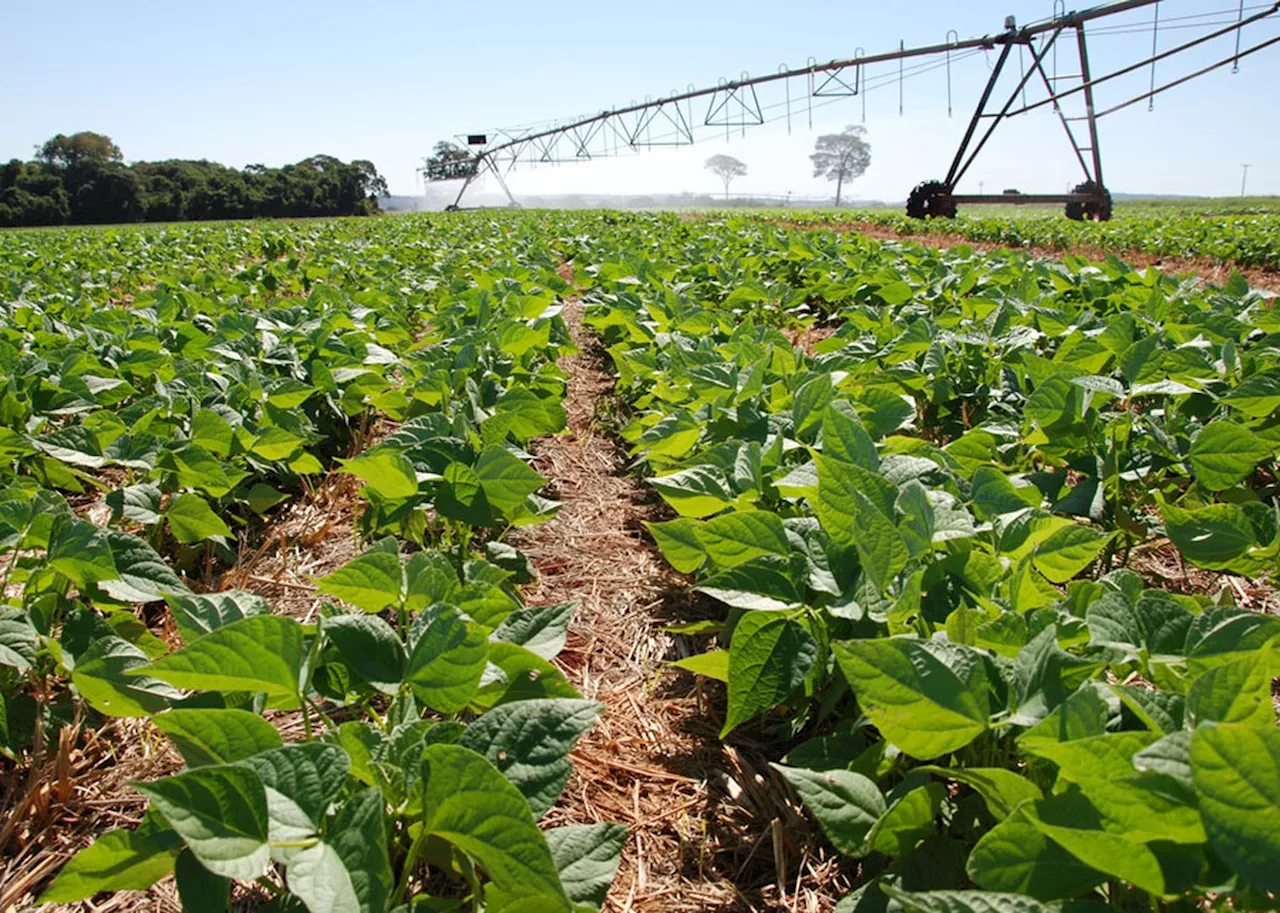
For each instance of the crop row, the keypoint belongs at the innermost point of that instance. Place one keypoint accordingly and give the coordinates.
(923, 533)
(181, 387)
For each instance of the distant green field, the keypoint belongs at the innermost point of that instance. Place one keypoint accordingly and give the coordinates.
(1242, 231)
(1129, 208)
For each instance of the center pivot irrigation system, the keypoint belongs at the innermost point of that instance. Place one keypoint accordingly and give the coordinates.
(736, 104)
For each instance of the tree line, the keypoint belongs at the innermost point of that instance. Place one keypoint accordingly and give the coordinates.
(82, 179)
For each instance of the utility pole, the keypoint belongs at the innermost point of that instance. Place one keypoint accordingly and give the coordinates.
(1244, 178)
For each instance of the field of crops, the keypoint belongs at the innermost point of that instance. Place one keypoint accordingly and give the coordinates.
(1249, 239)
(976, 549)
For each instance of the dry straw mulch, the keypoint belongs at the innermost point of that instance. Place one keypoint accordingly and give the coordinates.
(711, 827)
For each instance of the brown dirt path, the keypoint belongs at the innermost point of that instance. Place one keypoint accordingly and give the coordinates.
(1208, 270)
(710, 826)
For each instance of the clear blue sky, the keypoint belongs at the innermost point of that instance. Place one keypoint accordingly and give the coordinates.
(273, 82)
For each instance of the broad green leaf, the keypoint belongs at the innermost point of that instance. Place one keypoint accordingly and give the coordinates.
(524, 676)
(1002, 790)
(18, 640)
(1154, 624)
(1070, 821)
(369, 647)
(530, 416)
(105, 675)
(199, 613)
(200, 890)
(696, 492)
(770, 656)
(1146, 806)
(885, 411)
(212, 432)
(1211, 536)
(209, 736)
(673, 435)
(1159, 711)
(908, 820)
(993, 494)
(388, 472)
(81, 552)
(198, 468)
(262, 497)
(277, 445)
(1257, 396)
(587, 856)
(472, 806)
(289, 393)
(1236, 773)
(530, 741)
(1054, 404)
(1236, 692)
(430, 578)
(142, 575)
(1015, 856)
(539, 629)
(965, 902)
(846, 804)
(712, 664)
(447, 659)
(678, 541)
(810, 405)
(371, 581)
(309, 774)
(912, 697)
(192, 520)
(119, 860)
(735, 538)
(261, 653)
(766, 584)
(1068, 552)
(507, 481)
(852, 511)
(845, 440)
(799, 482)
(317, 876)
(1170, 756)
(461, 498)
(1044, 677)
(135, 503)
(359, 837)
(1085, 712)
(1224, 453)
(827, 752)
(221, 813)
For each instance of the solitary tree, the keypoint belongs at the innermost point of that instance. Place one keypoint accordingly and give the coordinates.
(841, 157)
(448, 161)
(725, 167)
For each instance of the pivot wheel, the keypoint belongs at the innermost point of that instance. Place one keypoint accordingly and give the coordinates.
(931, 200)
(1098, 210)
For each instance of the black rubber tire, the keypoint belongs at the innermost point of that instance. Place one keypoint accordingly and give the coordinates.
(1092, 212)
(931, 200)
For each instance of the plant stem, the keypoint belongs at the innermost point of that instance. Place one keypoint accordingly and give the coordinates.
(411, 862)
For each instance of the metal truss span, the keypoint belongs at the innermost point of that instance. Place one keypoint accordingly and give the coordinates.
(683, 118)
